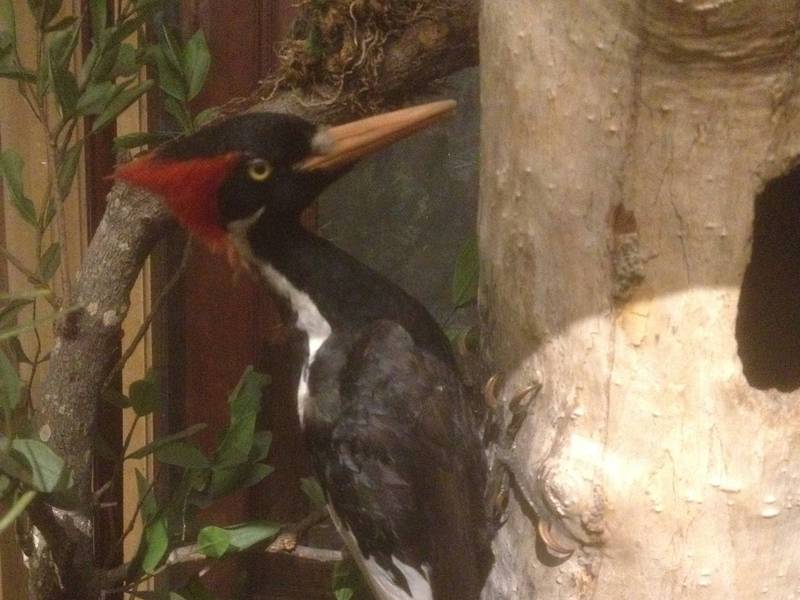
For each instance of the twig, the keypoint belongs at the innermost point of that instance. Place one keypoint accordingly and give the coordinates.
(148, 320)
(189, 553)
(129, 528)
(19, 266)
(36, 356)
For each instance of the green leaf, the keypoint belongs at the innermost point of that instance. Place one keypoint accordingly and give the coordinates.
(5, 486)
(120, 102)
(213, 541)
(245, 535)
(256, 474)
(127, 28)
(170, 78)
(181, 454)
(145, 395)
(227, 479)
(348, 583)
(51, 260)
(147, 5)
(48, 471)
(18, 295)
(343, 593)
(16, 302)
(223, 481)
(61, 24)
(157, 538)
(94, 100)
(127, 62)
(465, 275)
(245, 404)
(63, 44)
(11, 165)
(59, 52)
(65, 87)
(116, 398)
(6, 43)
(105, 57)
(262, 441)
(45, 10)
(17, 351)
(167, 439)
(8, 19)
(206, 116)
(98, 10)
(12, 332)
(135, 140)
(178, 110)
(313, 491)
(11, 383)
(16, 73)
(43, 78)
(68, 167)
(13, 468)
(169, 44)
(196, 61)
(88, 64)
(156, 533)
(35, 6)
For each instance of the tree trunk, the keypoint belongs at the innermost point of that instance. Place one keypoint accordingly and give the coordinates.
(627, 148)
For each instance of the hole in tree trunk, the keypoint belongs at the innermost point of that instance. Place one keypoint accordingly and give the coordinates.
(768, 320)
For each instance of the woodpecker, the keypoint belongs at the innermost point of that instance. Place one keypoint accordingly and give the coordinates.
(387, 420)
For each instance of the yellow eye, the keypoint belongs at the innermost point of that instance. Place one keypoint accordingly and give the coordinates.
(259, 170)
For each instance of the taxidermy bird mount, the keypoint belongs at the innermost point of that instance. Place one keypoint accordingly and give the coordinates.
(385, 415)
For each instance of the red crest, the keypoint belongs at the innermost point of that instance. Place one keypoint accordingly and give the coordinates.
(188, 187)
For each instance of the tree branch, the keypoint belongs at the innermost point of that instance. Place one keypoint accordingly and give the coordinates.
(284, 543)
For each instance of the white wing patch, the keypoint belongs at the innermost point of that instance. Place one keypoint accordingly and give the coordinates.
(380, 580)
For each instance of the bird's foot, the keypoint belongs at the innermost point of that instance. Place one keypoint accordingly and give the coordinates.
(507, 426)
(502, 430)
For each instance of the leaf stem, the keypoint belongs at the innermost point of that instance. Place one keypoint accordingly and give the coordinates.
(148, 320)
(20, 266)
(18, 508)
(35, 362)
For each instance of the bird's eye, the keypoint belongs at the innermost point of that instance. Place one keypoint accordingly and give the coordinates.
(259, 170)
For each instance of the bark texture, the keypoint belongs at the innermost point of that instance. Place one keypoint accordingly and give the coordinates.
(87, 340)
(624, 144)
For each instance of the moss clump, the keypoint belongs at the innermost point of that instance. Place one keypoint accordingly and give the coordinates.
(338, 46)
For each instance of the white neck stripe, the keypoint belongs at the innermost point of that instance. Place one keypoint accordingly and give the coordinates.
(309, 320)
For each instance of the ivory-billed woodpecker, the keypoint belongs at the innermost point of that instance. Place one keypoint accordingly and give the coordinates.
(384, 413)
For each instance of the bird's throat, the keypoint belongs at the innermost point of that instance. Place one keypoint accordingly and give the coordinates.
(309, 320)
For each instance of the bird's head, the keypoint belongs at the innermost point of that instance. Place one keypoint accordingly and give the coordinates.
(262, 165)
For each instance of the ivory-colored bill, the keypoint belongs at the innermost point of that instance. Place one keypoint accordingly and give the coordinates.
(345, 144)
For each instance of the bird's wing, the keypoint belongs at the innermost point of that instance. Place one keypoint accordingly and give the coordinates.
(407, 473)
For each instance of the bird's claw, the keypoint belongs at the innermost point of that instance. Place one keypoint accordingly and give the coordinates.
(489, 395)
(504, 431)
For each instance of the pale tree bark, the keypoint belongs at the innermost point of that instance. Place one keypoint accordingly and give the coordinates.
(624, 145)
